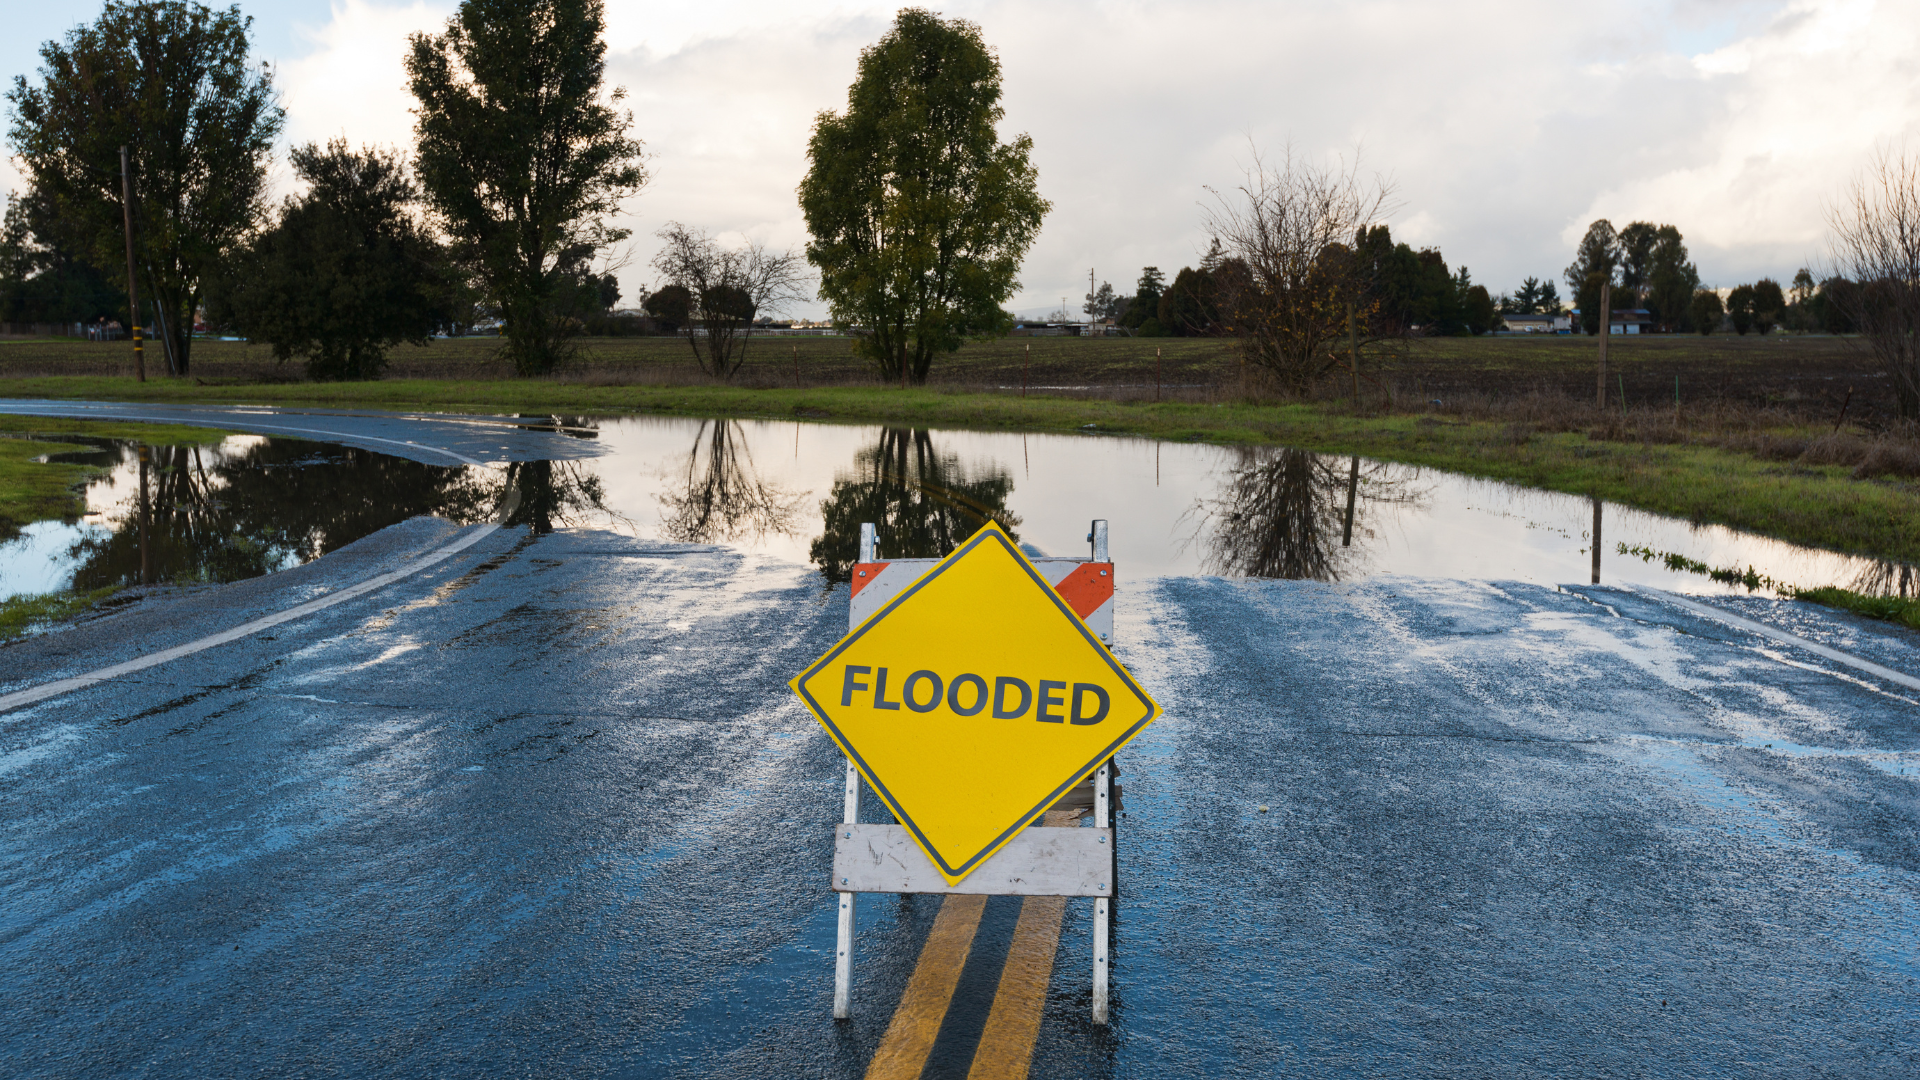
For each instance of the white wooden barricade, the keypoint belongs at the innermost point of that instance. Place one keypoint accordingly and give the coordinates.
(1038, 861)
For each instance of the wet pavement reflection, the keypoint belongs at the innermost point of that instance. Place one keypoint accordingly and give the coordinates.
(252, 505)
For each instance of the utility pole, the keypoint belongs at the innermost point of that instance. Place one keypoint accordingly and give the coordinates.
(1353, 346)
(133, 292)
(1606, 328)
(1090, 311)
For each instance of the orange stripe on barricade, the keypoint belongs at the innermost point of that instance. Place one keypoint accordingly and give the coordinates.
(1087, 587)
(864, 573)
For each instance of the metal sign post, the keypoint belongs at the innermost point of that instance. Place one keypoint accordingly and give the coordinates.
(952, 843)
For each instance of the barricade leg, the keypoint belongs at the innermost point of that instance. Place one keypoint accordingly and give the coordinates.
(843, 954)
(1102, 818)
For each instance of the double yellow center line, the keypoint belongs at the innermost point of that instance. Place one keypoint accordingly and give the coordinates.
(1005, 1046)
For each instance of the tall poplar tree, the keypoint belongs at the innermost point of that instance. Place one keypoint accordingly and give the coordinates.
(919, 214)
(170, 81)
(524, 158)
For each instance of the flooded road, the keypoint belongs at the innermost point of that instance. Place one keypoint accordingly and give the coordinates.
(548, 809)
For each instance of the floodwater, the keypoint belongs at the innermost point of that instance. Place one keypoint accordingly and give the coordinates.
(253, 505)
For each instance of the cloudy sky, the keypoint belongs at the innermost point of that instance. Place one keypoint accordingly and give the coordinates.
(1505, 127)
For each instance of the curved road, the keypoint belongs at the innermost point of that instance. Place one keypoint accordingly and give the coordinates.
(546, 808)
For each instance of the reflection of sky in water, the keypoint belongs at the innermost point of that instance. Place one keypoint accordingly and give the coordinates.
(1165, 502)
(39, 559)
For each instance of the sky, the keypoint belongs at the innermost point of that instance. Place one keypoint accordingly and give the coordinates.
(1504, 128)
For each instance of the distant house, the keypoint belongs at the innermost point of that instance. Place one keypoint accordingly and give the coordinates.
(1627, 321)
(1047, 329)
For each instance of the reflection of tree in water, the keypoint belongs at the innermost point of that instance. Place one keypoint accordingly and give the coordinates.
(1285, 513)
(552, 493)
(724, 497)
(922, 502)
(274, 504)
(1885, 578)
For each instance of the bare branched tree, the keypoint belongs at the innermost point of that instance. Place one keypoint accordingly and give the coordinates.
(1289, 276)
(1287, 513)
(1876, 244)
(729, 288)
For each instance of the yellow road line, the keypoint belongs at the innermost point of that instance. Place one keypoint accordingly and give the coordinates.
(1006, 1046)
(909, 1039)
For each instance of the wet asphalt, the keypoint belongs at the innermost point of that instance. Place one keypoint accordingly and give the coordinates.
(548, 809)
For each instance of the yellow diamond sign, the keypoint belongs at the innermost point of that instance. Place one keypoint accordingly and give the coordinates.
(973, 700)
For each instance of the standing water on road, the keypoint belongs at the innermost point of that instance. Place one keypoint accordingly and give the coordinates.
(252, 505)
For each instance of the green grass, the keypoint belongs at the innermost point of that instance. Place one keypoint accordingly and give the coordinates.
(1894, 609)
(22, 615)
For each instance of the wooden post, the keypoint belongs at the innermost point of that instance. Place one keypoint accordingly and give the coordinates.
(1026, 365)
(796, 365)
(1156, 373)
(1606, 330)
(133, 291)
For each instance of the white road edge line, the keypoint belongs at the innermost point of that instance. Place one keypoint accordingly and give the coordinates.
(33, 695)
(1781, 636)
(242, 426)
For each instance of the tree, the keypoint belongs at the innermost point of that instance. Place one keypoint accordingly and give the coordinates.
(1478, 310)
(1526, 300)
(523, 160)
(1145, 303)
(170, 81)
(1290, 281)
(1189, 308)
(670, 307)
(1834, 305)
(1549, 299)
(1769, 304)
(726, 289)
(1593, 266)
(1102, 304)
(1705, 311)
(1876, 244)
(1740, 309)
(1635, 246)
(919, 214)
(346, 274)
(43, 277)
(1671, 280)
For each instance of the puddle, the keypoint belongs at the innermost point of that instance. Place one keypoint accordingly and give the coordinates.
(799, 491)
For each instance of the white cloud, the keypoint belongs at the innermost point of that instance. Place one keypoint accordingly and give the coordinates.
(1507, 126)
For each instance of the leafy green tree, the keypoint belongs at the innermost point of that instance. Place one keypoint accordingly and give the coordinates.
(1671, 280)
(1834, 304)
(919, 214)
(1740, 309)
(348, 272)
(1769, 304)
(1594, 264)
(1705, 311)
(525, 159)
(170, 81)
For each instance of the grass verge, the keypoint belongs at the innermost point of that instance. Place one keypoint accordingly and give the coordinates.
(20, 615)
(1894, 609)
(34, 490)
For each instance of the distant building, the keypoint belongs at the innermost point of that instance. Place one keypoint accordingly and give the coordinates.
(1627, 321)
